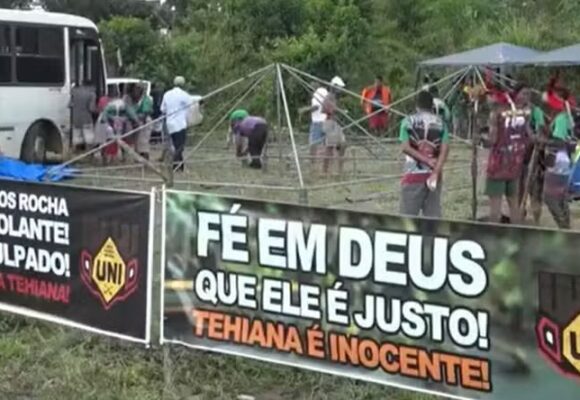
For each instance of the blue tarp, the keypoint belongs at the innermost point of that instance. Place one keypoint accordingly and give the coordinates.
(20, 171)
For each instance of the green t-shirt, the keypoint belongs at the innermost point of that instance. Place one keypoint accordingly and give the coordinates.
(538, 119)
(406, 127)
(426, 132)
(562, 127)
(145, 106)
(119, 109)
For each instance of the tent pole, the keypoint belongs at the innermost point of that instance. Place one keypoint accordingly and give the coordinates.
(475, 153)
(290, 129)
(225, 117)
(278, 116)
(418, 71)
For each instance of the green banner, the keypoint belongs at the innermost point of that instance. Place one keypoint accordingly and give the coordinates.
(463, 310)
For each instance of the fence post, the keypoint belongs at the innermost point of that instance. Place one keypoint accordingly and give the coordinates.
(303, 197)
(167, 373)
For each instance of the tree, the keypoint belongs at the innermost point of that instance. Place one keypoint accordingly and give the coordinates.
(102, 9)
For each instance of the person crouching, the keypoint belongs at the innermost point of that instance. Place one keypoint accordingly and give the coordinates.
(250, 136)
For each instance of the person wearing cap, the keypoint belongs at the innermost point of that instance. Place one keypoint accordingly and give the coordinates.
(374, 99)
(335, 141)
(316, 134)
(425, 142)
(250, 136)
(175, 107)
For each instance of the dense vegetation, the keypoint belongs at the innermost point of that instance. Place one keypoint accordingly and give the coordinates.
(213, 40)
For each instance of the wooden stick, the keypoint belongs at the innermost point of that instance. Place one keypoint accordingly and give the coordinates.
(141, 159)
(533, 170)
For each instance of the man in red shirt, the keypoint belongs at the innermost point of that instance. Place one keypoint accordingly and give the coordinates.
(375, 98)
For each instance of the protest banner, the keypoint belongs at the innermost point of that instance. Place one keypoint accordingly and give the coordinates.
(462, 310)
(77, 257)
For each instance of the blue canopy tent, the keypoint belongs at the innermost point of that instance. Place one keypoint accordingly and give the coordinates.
(494, 55)
(499, 54)
(566, 56)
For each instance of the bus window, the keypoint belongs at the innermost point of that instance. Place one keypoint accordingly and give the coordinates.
(86, 64)
(5, 54)
(40, 49)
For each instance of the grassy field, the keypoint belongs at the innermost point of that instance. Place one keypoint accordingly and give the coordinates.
(38, 361)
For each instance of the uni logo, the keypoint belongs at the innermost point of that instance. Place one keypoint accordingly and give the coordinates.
(108, 276)
(558, 327)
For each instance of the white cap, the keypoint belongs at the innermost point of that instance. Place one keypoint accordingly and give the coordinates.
(337, 81)
(179, 81)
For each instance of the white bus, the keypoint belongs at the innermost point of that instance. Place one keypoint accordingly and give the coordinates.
(42, 56)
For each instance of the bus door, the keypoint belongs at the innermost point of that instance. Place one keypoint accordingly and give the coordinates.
(87, 79)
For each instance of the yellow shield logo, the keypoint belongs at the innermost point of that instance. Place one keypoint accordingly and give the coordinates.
(108, 276)
(109, 271)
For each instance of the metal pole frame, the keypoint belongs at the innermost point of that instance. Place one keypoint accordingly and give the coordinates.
(290, 128)
(256, 83)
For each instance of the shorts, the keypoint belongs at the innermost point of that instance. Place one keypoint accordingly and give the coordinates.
(84, 135)
(499, 187)
(316, 133)
(417, 199)
(379, 121)
(334, 136)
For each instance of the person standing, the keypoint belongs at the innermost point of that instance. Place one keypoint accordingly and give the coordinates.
(83, 106)
(144, 111)
(316, 136)
(334, 139)
(532, 178)
(375, 99)
(251, 134)
(175, 107)
(157, 97)
(509, 135)
(558, 160)
(425, 143)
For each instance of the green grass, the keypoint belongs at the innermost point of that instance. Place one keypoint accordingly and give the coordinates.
(45, 362)
(38, 361)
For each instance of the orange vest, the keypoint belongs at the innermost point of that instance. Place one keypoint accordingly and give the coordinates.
(369, 94)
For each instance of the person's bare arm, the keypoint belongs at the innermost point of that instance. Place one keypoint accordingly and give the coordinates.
(416, 155)
(305, 110)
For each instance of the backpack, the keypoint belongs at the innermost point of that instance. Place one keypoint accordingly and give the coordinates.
(508, 153)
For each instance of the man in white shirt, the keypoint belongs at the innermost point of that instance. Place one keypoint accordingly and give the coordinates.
(176, 107)
(318, 117)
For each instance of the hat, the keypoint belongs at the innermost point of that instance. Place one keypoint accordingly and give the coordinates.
(179, 81)
(239, 115)
(338, 82)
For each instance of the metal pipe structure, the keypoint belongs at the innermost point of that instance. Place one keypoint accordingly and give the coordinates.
(290, 128)
(256, 83)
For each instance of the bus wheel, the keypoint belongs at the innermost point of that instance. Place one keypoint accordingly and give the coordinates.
(34, 146)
